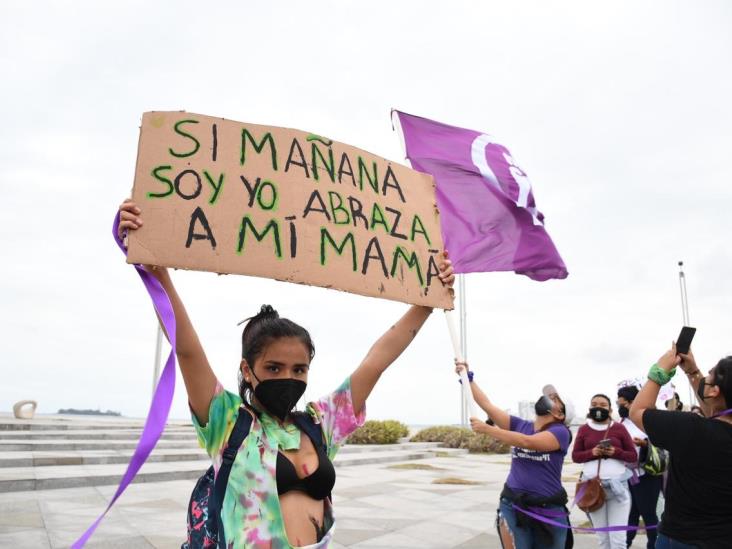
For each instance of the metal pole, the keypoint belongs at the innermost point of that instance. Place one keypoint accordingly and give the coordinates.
(158, 352)
(684, 295)
(685, 314)
(452, 329)
(463, 317)
(463, 340)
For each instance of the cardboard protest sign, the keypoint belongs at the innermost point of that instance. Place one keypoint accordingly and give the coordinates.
(232, 197)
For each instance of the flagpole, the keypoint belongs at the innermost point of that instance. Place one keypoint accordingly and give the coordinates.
(158, 352)
(685, 314)
(463, 338)
(459, 345)
(454, 337)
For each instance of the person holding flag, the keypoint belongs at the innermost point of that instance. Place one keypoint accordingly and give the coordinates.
(490, 222)
(534, 481)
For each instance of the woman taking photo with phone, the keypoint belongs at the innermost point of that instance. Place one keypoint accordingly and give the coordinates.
(537, 455)
(605, 447)
(278, 491)
(698, 511)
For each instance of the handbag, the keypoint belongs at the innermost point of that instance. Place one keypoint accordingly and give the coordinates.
(653, 460)
(589, 494)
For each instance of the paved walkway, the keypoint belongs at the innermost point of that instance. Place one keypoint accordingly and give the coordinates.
(377, 506)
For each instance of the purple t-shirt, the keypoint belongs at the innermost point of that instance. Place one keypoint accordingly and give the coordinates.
(533, 472)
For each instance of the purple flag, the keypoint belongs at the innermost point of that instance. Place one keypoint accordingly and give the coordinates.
(489, 217)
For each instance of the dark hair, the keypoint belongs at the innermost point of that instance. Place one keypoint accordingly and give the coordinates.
(601, 395)
(679, 404)
(723, 379)
(260, 330)
(560, 421)
(628, 393)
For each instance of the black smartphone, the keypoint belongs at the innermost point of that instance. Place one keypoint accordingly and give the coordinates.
(683, 343)
(605, 443)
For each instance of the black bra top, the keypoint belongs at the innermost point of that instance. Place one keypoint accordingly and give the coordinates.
(318, 485)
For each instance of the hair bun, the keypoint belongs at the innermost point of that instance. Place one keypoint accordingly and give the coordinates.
(267, 311)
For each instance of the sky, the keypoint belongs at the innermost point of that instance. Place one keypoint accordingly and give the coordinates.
(619, 113)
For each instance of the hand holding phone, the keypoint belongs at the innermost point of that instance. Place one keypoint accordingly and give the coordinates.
(683, 342)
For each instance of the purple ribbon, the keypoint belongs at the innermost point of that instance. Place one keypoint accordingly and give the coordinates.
(157, 416)
(722, 413)
(544, 518)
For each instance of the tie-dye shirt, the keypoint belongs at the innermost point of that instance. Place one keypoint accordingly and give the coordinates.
(251, 512)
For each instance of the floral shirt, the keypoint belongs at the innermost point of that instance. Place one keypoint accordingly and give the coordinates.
(251, 512)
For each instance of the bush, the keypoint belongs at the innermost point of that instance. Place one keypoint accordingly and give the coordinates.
(484, 444)
(436, 434)
(379, 432)
(460, 437)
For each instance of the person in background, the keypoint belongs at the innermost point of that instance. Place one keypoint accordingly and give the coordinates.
(674, 403)
(605, 446)
(697, 410)
(537, 455)
(644, 494)
(698, 511)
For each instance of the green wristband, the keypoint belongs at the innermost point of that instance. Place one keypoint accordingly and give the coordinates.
(659, 375)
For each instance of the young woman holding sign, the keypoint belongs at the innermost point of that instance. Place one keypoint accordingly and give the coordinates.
(278, 493)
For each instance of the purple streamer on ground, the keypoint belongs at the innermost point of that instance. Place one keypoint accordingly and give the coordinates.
(544, 519)
(162, 399)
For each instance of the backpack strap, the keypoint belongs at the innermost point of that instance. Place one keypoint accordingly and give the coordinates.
(314, 431)
(236, 438)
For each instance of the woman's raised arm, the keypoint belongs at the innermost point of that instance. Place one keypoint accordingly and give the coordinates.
(498, 415)
(390, 345)
(198, 376)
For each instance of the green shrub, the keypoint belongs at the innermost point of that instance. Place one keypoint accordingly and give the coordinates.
(435, 434)
(484, 444)
(379, 432)
(460, 437)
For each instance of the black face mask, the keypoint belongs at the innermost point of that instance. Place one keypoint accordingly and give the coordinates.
(543, 406)
(623, 412)
(599, 414)
(700, 390)
(279, 396)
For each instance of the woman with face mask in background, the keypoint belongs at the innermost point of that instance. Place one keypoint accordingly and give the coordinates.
(605, 443)
(280, 481)
(698, 511)
(537, 455)
(644, 494)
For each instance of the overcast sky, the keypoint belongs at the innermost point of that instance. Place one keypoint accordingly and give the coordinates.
(619, 112)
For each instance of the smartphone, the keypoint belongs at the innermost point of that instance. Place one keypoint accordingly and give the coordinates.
(605, 443)
(683, 343)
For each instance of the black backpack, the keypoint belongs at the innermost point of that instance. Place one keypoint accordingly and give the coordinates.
(205, 529)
